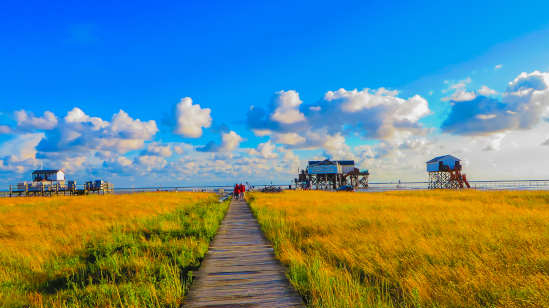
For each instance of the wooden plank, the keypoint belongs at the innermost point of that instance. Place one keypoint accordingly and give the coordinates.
(240, 269)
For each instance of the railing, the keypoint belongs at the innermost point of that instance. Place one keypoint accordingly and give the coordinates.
(198, 188)
(373, 186)
(482, 185)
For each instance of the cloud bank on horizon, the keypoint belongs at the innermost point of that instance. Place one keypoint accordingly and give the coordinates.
(184, 93)
(379, 128)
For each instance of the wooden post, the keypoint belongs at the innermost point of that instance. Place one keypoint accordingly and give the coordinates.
(10, 190)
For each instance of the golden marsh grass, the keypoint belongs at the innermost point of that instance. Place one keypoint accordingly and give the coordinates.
(38, 228)
(412, 249)
(134, 250)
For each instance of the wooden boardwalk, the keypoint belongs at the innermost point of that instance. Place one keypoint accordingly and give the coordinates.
(240, 269)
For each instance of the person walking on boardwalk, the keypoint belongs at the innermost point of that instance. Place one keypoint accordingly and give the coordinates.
(236, 191)
(242, 191)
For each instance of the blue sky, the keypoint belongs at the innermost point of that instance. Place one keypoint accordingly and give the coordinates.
(144, 58)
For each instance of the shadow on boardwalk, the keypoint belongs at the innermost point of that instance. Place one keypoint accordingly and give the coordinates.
(240, 269)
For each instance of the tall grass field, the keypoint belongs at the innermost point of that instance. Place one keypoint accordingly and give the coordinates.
(412, 249)
(104, 251)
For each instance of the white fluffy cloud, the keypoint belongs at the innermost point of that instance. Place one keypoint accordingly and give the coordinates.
(253, 167)
(229, 142)
(336, 148)
(18, 154)
(81, 141)
(159, 149)
(124, 126)
(484, 90)
(181, 148)
(459, 92)
(190, 119)
(288, 138)
(151, 162)
(371, 114)
(76, 115)
(524, 104)
(354, 101)
(494, 142)
(26, 120)
(118, 165)
(265, 150)
(21, 147)
(287, 108)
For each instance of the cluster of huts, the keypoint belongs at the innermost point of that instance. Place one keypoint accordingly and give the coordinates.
(444, 172)
(332, 175)
(52, 181)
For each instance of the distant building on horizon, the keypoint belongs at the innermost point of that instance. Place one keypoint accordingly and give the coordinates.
(440, 163)
(50, 175)
(330, 166)
(445, 172)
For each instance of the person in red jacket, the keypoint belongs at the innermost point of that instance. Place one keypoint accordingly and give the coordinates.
(242, 191)
(236, 191)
